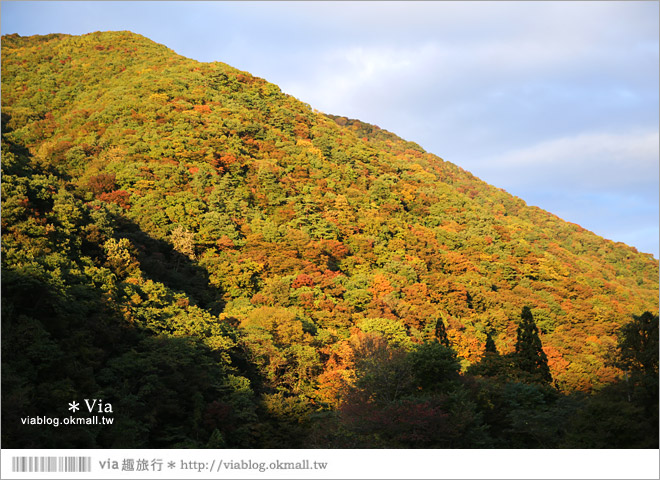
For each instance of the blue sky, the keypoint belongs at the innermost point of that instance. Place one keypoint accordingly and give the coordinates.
(555, 102)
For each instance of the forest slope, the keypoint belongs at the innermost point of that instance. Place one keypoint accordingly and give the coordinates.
(155, 204)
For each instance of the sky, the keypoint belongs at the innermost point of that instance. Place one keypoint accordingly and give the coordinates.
(554, 102)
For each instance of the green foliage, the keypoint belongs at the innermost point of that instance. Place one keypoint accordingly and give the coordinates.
(610, 419)
(434, 366)
(392, 330)
(638, 345)
(383, 373)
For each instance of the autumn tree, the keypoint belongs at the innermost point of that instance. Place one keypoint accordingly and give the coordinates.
(530, 357)
(183, 241)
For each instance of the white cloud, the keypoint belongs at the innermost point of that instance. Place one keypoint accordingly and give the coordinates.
(357, 77)
(592, 161)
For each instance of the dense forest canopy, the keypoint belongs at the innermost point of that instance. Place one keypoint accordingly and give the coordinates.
(229, 267)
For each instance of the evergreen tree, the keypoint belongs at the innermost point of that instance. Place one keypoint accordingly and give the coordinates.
(441, 333)
(530, 357)
(492, 364)
(490, 344)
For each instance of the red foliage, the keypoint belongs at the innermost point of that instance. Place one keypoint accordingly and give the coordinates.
(59, 151)
(223, 161)
(102, 183)
(303, 280)
(307, 300)
(120, 197)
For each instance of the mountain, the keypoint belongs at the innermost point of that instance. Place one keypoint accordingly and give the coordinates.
(229, 267)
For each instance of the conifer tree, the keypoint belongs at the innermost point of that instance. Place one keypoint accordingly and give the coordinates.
(490, 344)
(492, 364)
(530, 356)
(441, 333)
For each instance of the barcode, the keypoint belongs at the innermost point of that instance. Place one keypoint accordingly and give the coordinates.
(51, 464)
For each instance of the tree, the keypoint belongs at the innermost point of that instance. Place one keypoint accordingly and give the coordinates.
(638, 345)
(638, 354)
(529, 356)
(490, 344)
(434, 366)
(492, 364)
(441, 333)
(183, 242)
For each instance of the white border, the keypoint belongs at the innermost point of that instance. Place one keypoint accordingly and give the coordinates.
(364, 464)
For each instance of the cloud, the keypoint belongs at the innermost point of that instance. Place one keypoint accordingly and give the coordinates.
(358, 79)
(590, 161)
(465, 68)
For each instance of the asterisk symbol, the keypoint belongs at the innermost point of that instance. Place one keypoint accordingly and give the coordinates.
(171, 465)
(73, 406)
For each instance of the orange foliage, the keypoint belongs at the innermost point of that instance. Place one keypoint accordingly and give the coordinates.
(380, 286)
(120, 197)
(558, 365)
(203, 109)
(302, 280)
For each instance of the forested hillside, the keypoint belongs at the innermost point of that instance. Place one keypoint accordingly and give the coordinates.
(231, 268)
